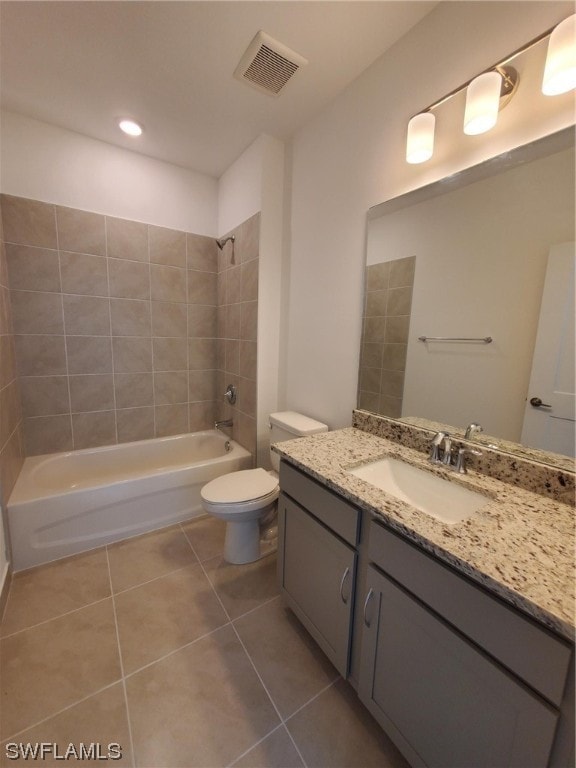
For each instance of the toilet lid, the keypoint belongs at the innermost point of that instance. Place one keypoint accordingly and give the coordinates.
(239, 486)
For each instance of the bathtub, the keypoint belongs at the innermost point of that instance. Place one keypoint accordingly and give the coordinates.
(64, 503)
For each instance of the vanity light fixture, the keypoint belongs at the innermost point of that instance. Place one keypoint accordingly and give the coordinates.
(130, 127)
(420, 141)
(560, 69)
(490, 91)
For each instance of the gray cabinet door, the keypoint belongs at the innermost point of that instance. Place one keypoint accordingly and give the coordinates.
(444, 702)
(317, 574)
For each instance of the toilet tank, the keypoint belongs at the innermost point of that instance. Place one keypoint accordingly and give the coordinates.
(288, 425)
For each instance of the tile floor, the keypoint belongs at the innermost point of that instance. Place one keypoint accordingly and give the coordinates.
(157, 644)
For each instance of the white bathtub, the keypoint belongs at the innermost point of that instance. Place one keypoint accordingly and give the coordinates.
(64, 503)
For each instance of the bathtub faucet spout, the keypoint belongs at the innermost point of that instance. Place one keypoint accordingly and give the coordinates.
(223, 423)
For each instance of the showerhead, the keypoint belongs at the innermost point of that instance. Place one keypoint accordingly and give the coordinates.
(223, 240)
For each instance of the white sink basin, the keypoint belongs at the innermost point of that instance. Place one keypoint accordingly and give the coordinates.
(446, 501)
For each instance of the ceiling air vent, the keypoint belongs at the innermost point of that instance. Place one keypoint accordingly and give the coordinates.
(268, 65)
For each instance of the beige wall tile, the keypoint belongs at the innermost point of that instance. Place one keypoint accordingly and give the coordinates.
(201, 321)
(91, 393)
(133, 390)
(5, 314)
(11, 460)
(392, 383)
(232, 321)
(10, 411)
(86, 316)
(168, 283)
(202, 354)
(394, 357)
(36, 312)
(171, 420)
(40, 355)
(167, 246)
(390, 406)
(202, 253)
(376, 303)
(171, 388)
(130, 317)
(128, 279)
(232, 356)
(246, 397)
(28, 222)
(132, 355)
(248, 359)
(233, 282)
(202, 288)
(201, 385)
(8, 370)
(80, 231)
(397, 329)
(202, 416)
(170, 354)
(32, 269)
(245, 431)
(169, 319)
(248, 239)
(135, 424)
(370, 379)
(44, 395)
(127, 239)
(377, 276)
(374, 329)
(249, 321)
(402, 272)
(84, 274)
(399, 301)
(249, 280)
(47, 434)
(369, 401)
(89, 354)
(371, 355)
(91, 430)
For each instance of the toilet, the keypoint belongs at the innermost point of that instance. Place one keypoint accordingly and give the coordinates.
(246, 498)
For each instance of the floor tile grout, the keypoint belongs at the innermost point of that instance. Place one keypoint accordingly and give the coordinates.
(126, 676)
(58, 616)
(133, 753)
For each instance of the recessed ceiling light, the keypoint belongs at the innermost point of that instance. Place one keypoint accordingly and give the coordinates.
(130, 127)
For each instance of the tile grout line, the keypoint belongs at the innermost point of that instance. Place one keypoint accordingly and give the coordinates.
(53, 618)
(121, 665)
(282, 722)
(61, 711)
(247, 751)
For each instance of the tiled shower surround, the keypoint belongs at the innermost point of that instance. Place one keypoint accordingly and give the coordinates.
(388, 300)
(11, 444)
(115, 326)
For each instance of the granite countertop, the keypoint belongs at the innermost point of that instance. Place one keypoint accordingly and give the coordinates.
(520, 546)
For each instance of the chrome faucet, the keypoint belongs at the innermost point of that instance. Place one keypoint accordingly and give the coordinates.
(471, 430)
(447, 457)
(460, 465)
(435, 444)
(223, 423)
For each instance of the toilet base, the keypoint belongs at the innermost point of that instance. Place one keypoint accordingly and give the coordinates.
(244, 542)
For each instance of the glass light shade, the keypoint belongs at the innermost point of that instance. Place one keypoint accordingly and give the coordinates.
(420, 138)
(560, 69)
(482, 103)
(130, 127)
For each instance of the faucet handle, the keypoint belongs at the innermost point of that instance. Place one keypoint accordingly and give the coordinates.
(435, 444)
(447, 458)
(460, 465)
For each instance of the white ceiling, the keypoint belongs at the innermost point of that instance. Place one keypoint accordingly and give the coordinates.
(83, 65)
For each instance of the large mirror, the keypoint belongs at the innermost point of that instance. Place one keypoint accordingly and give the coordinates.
(456, 274)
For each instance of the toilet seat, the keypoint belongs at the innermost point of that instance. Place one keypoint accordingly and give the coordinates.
(243, 491)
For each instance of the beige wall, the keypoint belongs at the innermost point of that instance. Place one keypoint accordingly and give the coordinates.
(11, 451)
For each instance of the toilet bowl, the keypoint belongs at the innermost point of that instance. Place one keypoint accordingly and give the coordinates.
(242, 499)
(247, 498)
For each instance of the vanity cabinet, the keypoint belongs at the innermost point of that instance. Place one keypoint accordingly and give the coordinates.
(449, 685)
(318, 533)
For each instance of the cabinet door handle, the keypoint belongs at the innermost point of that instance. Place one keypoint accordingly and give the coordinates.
(368, 598)
(346, 572)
